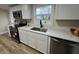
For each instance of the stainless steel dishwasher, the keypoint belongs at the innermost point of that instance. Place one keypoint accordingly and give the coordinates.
(61, 46)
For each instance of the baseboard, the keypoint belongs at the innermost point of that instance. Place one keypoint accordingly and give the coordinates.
(3, 32)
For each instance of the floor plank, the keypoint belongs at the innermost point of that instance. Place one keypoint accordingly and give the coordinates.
(8, 46)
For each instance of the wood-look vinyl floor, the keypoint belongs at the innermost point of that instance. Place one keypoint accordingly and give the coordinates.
(8, 46)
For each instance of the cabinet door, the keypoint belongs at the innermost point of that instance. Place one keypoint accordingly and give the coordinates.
(23, 37)
(67, 11)
(38, 41)
(42, 43)
(26, 11)
(27, 38)
(32, 39)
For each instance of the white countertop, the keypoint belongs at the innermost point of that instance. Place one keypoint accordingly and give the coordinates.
(66, 35)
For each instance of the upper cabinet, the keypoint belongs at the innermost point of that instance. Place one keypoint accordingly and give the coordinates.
(67, 12)
(26, 11)
(25, 8)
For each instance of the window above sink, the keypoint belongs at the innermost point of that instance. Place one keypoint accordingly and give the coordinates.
(43, 13)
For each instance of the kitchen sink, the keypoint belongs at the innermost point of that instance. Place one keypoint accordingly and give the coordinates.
(39, 29)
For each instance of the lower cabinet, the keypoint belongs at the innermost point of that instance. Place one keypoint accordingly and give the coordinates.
(42, 43)
(35, 40)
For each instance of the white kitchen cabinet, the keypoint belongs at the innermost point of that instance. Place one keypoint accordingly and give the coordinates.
(23, 37)
(25, 8)
(32, 39)
(67, 12)
(42, 43)
(27, 38)
(26, 11)
(35, 40)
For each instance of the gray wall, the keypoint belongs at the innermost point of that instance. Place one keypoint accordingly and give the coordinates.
(3, 21)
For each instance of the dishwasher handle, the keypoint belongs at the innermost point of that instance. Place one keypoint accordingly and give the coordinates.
(55, 40)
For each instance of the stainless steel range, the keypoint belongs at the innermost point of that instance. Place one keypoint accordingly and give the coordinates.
(14, 29)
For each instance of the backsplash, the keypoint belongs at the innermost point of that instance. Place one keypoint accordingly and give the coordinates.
(46, 23)
(66, 24)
